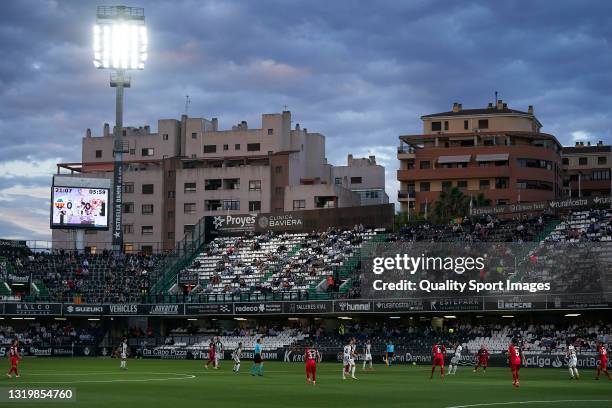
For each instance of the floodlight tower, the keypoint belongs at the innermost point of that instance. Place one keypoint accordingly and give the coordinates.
(119, 44)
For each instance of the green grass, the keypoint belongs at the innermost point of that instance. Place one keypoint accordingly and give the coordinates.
(166, 383)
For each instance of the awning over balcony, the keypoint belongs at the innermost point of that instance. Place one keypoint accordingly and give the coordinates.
(454, 159)
(492, 157)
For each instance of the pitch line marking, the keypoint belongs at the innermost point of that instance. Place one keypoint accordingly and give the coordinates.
(183, 377)
(491, 404)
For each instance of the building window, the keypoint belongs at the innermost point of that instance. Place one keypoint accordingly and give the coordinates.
(225, 147)
(371, 194)
(462, 184)
(237, 146)
(189, 208)
(146, 229)
(436, 126)
(299, 204)
(128, 228)
(483, 123)
(147, 208)
(278, 190)
(190, 187)
(424, 185)
(254, 205)
(447, 185)
(485, 184)
(465, 124)
(171, 194)
(355, 180)
(253, 147)
(583, 161)
(128, 208)
(212, 184)
(254, 185)
(188, 228)
(98, 154)
(170, 214)
(424, 164)
(212, 205)
(147, 151)
(534, 185)
(165, 136)
(194, 135)
(601, 175)
(446, 125)
(171, 174)
(535, 163)
(132, 151)
(147, 189)
(602, 160)
(278, 169)
(231, 204)
(501, 183)
(270, 132)
(210, 148)
(338, 180)
(171, 235)
(565, 161)
(128, 188)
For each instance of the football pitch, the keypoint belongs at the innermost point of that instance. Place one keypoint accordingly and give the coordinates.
(98, 382)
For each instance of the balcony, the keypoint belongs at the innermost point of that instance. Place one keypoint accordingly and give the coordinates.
(405, 152)
(452, 173)
(405, 195)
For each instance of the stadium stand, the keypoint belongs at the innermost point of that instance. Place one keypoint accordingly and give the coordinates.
(311, 264)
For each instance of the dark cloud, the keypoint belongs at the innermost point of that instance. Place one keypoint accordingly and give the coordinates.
(359, 72)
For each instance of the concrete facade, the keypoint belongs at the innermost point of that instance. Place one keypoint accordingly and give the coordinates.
(364, 177)
(496, 151)
(586, 169)
(190, 169)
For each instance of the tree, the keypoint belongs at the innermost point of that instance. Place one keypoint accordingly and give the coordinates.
(481, 201)
(452, 203)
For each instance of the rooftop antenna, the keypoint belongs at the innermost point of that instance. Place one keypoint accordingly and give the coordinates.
(285, 107)
(495, 101)
(187, 103)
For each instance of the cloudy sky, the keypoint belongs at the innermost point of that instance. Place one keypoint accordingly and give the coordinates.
(361, 73)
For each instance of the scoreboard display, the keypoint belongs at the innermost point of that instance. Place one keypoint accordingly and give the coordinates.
(79, 207)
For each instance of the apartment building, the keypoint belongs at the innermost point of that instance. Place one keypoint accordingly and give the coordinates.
(586, 169)
(191, 168)
(363, 176)
(497, 151)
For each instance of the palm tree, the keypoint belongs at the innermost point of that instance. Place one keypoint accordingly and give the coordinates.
(451, 203)
(481, 201)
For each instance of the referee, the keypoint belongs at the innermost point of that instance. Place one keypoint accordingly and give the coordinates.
(257, 368)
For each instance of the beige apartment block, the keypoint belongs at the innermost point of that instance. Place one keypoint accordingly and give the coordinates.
(190, 168)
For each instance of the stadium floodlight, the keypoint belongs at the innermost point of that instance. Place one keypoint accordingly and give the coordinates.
(120, 38)
(120, 43)
(572, 315)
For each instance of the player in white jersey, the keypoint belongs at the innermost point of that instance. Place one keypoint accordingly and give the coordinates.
(123, 349)
(236, 356)
(367, 352)
(218, 352)
(348, 360)
(455, 359)
(572, 362)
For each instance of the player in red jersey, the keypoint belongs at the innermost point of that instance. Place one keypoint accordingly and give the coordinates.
(482, 358)
(602, 366)
(211, 354)
(14, 358)
(438, 351)
(311, 358)
(515, 358)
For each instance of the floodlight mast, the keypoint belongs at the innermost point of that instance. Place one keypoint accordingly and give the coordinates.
(120, 44)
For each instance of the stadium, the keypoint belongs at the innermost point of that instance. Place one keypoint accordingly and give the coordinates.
(237, 267)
